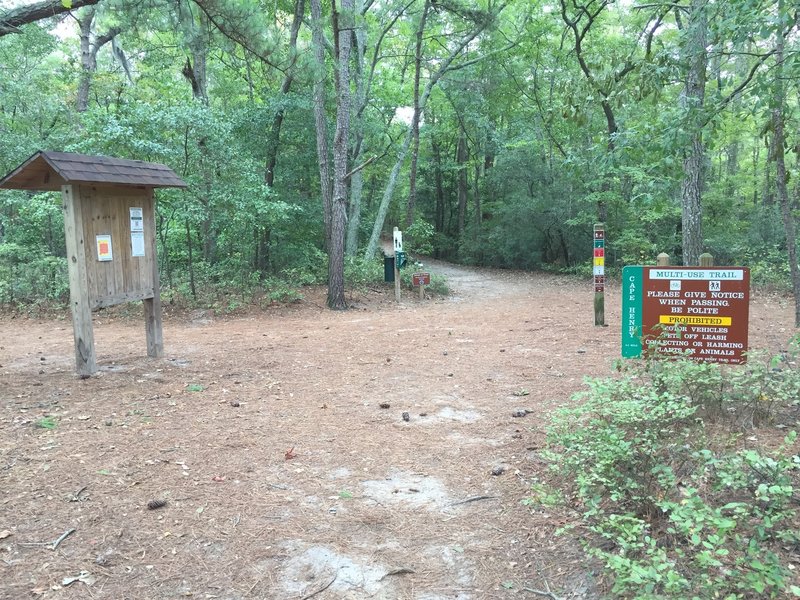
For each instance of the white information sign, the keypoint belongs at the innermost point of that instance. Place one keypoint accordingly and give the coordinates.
(137, 219)
(137, 243)
(398, 240)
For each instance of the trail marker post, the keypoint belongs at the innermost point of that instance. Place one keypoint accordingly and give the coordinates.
(398, 251)
(599, 271)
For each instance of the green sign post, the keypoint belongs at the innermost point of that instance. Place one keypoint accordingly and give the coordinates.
(631, 312)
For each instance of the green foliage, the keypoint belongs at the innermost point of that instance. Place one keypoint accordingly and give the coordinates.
(48, 423)
(361, 273)
(673, 515)
(28, 278)
(420, 238)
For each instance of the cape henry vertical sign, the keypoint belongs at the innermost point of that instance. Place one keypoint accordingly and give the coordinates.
(701, 312)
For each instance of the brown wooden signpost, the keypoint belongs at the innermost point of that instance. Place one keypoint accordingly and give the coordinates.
(421, 280)
(699, 312)
(109, 223)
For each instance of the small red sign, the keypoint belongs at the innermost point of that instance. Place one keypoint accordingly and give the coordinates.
(598, 252)
(421, 278)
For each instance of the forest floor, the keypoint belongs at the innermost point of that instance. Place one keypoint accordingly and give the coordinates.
(278, 440)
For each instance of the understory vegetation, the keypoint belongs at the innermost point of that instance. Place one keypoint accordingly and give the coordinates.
(685, 477)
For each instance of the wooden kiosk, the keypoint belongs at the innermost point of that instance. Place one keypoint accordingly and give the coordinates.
(109, 222)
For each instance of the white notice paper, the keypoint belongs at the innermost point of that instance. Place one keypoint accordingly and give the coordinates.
(137, 220)
(137, 243)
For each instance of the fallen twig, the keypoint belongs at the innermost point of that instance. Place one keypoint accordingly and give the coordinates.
(54, 544)
(550, 595)
(64, 536)
(398, 571)
(322, 589)
(76, 497)
(473, 499)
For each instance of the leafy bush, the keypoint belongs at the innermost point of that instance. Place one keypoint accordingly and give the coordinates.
(28, 278)
(672, 515)
(359, 272)
(420, 236)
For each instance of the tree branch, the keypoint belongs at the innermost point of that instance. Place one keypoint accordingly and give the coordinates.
(13, 19)
(234, 36)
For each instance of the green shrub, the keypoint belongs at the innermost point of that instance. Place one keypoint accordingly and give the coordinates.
(671, 514)
(420, 236)
(27, 277)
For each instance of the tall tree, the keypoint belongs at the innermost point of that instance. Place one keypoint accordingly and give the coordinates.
(343, 27)
(778, 125)
(320, 119)
(693, 99)
(412, 178)
(481, 21)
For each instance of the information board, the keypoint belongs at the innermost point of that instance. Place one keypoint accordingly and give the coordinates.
(701, 312)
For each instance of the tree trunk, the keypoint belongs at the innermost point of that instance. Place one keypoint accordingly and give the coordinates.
(191, 262)
(357, 179)
(461, 161)
(320, 121)
(277, 120)
(476, 199)
(88, 62)
(195, 68)
(780, 169)
(89, 49)
(343, 32)
(694, 161)
(438, 180)
(412, 187)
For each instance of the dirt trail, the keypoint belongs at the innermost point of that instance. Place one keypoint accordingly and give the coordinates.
(283, 475)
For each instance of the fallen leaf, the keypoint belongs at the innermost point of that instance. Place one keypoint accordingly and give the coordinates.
(290, 453)
(218, 478)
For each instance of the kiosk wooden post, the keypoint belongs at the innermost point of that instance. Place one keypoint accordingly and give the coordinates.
(85, 362)
(109, 224)
(152, 306)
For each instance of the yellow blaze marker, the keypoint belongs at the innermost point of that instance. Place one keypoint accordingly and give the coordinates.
(599, 261)
(684, 320)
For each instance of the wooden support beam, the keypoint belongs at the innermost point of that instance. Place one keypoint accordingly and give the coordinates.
(152, 306)
(85, 361)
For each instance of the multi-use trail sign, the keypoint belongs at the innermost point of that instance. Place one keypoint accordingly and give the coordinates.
(701, 312)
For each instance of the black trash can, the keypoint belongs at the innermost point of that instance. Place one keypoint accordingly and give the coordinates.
(388, 269)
